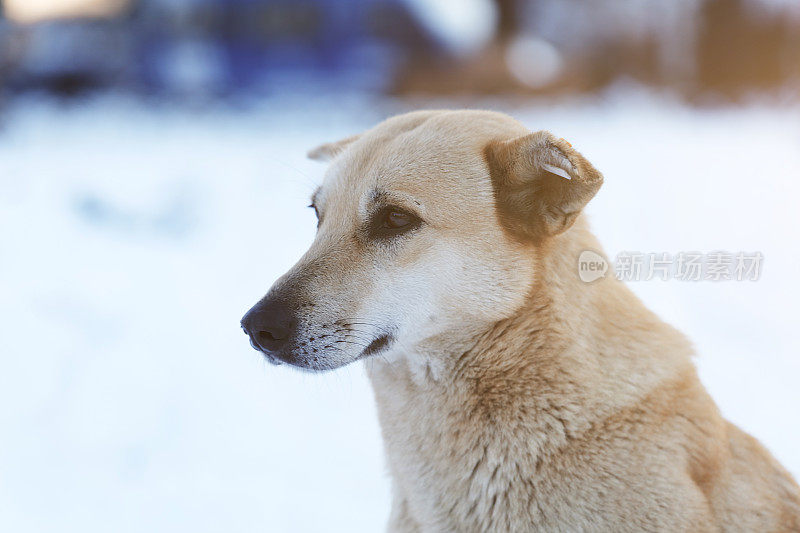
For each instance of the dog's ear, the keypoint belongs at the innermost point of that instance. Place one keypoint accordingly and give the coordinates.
(541, 183)
(327, 151)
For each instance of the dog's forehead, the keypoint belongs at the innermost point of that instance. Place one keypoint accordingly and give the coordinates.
(436, 153)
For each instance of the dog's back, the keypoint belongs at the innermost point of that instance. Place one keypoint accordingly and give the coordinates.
(753, 492)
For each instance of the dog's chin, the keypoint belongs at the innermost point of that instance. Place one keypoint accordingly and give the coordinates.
(315, 366)
(324, 359)
(295, 358)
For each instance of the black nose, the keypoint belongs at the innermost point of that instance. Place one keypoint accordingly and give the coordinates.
(269, 324)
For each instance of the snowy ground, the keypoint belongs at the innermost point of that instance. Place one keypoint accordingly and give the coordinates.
(133, 238)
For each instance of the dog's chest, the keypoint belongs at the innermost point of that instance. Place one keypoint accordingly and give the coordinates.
(455, 471)
(457, 468)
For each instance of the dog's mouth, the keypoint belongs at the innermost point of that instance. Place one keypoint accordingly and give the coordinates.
(378, 345)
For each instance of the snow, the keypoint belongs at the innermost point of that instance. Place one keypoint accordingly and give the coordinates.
(133, 237)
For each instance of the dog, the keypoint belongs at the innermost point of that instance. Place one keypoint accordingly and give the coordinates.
(512, 396)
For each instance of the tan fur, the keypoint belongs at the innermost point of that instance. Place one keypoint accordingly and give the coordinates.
(517, 397)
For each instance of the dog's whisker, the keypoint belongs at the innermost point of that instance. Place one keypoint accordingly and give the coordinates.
(351, 342)
(363, 333)
(379, 327)
(358, 338)
(360, 329)
(370, 326)
(368, 332)
(356, 320)
(348, 354)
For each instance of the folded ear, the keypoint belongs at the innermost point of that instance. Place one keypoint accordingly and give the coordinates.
(327, 151)
(541, 183)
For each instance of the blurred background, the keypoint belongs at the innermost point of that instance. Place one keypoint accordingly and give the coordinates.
(704, 50)
(153, 182)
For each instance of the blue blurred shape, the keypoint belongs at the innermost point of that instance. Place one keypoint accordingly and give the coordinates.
(211, 47)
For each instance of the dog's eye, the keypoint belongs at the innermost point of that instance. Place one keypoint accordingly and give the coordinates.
(398, 219)
(392, 221)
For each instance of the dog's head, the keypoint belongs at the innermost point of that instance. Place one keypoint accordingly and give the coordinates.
(428, 229)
